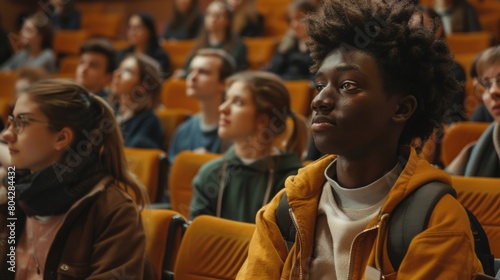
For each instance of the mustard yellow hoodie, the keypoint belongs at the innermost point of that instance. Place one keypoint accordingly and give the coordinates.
(445, 250)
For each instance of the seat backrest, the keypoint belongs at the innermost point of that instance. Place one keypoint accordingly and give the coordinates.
(260, 51)
(164, 230)
(178, 51)
(275, 19)
(180, 182)
(68, 42)
(151, 167)
(8, 83)
(457, 136)
(173, 96)
(482, 197)
(170, 119)
(469, 42)
(102, 25)
(91, 8)
(69, 64)
(213, 248)
(300, 96)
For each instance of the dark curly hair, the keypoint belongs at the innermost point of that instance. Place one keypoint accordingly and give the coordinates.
(411, 60)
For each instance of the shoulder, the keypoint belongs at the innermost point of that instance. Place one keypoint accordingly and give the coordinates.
(190, 124)
(211, 167)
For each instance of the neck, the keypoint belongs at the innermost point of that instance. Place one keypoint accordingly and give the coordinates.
(216, 37)
(140, 48)
(302, 45)
(209, 109)
(355, 173)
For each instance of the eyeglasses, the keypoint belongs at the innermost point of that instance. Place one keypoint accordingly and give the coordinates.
(20, 122)
(485, 85)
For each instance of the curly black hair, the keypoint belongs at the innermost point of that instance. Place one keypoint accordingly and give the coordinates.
(411, 60)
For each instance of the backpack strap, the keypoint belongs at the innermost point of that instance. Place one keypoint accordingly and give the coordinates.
(411, 216)
(285, 223)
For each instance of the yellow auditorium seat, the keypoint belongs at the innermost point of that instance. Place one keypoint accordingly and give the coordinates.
(8, 83)
(164, 230)
(260, 51)
(120, 44)
(275, 19)
(469, 42)
(170, 119)
(482, 197)
(173, 96)
(457, 136)
(68, 42)
(151, 167)
(178, 51)
(180, 182)
(106, 25)
(213, 248)
(91, 7)
(300, 96)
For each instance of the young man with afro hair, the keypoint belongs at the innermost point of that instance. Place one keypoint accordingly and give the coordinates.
(382, 81)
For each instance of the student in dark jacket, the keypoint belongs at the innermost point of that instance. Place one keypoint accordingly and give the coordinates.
(247, 21)
(142, 38)
(186, 20)
(253, 115)
(136, 87)
(74, 215)
(63, 14)
(292, 59)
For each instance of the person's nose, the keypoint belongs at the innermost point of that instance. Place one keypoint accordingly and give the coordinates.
(323, 102)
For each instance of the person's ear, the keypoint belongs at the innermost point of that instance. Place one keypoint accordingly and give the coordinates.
(63, 139)
(262, 121)
(405, 108)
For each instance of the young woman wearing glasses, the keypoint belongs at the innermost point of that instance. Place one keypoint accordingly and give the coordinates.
(73, 215)
(483, 157)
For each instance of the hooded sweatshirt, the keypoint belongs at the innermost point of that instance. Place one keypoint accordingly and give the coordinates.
(246, 187)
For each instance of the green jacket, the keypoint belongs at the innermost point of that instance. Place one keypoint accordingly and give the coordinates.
(246, 187)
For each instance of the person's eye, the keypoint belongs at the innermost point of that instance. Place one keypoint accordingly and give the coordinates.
(319, 87)
(348, 86)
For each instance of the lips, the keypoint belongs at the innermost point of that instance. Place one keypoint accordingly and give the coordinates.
(224, 122)
(321, 123)
(13, 151)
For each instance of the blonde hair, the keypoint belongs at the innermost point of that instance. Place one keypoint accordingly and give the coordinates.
(271, 97)
(67, 104)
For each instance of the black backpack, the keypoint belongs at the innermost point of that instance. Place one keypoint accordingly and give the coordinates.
(412, 215)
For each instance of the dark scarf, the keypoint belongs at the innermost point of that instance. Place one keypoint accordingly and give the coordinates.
(54, 190)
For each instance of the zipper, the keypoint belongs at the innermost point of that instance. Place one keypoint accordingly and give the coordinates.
(349, 276)
(296, 224)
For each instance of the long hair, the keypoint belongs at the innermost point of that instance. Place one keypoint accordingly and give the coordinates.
(67, 104)
(229, 38)
(149, 22)
(189, 17)
(303, 7)
(44, 28)
(146, 94)
(271, 97)
(246, 12)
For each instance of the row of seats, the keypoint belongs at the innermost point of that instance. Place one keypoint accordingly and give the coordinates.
(206, 248)
(215, 248)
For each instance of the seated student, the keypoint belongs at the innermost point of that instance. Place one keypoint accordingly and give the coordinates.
(63, 15)
(375, 97)
(457, 16)
(217, 34)
(74, 215)
(186, 20)
(36, 40)
(247, 20)
(96, 66)
(206, 82)
(142, 38)
(5, 48)
(136, 88)
(481, 113)
(482, 158)
(292, 59)
(254, 112)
